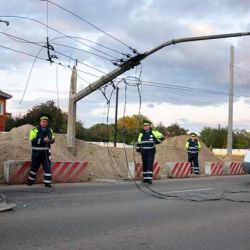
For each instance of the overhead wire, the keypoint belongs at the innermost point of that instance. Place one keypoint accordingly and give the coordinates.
(98, 44)
(30, 72)
(92, 25)
(194, 197)
(113, 165)
(239, 68)
(85, 51)
(60, 53)
(36, 57)
(59, 32)
(44, 59)
(143, 187)
(184, 88)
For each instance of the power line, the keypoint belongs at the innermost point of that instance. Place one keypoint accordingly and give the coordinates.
(184, 88)
(247, 71)
(94, 26)
(98, 44)
(19, 39)
(22, 52)
(33, 64)
(44, 59)
(60, 53)
(61, 33)
(67, 46)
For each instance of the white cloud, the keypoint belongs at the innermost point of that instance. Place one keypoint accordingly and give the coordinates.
(188, 116)
(142, 25)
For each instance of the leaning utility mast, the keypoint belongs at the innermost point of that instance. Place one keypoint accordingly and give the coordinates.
(132, 62)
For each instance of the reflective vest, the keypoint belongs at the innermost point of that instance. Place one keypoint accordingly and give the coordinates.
(37, 135)
(148, 139)
(193, 147)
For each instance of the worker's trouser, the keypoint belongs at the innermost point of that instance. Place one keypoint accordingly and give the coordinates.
(147, 161)
(40, 157)
(193, 159)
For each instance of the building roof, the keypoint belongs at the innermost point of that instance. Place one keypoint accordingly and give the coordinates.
(5, 95)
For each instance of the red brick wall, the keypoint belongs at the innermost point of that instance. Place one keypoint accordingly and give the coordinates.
(3, 117)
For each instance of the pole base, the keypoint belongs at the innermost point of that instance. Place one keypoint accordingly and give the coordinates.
(72, 150)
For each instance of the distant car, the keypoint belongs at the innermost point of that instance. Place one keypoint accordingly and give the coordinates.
(246, 162)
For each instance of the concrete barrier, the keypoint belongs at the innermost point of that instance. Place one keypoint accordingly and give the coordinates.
(214, 168)
(135, 171)
(233, 168)
(178, 169)
(16, 172)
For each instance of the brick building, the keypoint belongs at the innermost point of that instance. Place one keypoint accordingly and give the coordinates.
(3, 113)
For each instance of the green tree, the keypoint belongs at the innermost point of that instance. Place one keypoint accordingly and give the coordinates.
(128, 128)
(172, 130)
(175, 130)
(131, 122)
(241, 139)
(80, 131)
(57, 119)
(98, 132)
(217, 138)
(161, 128)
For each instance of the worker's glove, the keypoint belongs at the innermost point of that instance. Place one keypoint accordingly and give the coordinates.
(138, 150)
(46, 139)
(52, 140)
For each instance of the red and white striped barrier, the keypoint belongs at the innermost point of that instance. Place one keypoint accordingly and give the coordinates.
(136, 171)
(214, 168)
(16, 172)
(178, 169)
(233, 168)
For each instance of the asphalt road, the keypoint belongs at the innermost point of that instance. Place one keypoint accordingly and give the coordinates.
(205, 213)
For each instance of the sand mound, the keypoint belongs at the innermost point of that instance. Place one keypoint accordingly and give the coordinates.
(103, 161)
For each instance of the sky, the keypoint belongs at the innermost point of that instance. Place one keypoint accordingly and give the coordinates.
(184, 83)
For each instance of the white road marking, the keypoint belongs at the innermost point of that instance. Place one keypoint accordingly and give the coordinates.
(190, 190)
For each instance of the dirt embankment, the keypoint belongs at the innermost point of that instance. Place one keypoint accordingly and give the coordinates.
(103, 162)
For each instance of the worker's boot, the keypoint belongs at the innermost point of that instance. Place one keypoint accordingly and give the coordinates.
(30, 182)
(47, 185)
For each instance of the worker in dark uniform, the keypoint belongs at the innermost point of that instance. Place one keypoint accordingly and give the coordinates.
(147, 139)
(41, 138)
(193, 146)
